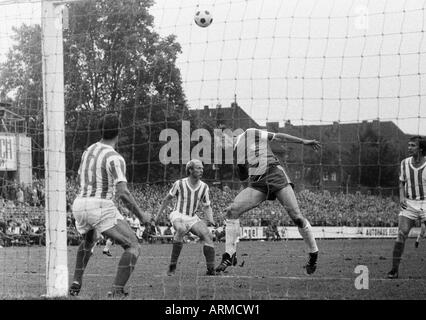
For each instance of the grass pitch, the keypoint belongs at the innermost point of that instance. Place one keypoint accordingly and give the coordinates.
(265, 270)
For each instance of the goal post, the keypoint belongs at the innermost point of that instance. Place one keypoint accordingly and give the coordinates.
(54, 145)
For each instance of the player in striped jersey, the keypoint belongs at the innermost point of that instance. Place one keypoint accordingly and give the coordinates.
(190, 193)
(102, 175)
(267, 181)
(412, 188)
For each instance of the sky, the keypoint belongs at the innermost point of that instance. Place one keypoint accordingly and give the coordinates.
(307, 61)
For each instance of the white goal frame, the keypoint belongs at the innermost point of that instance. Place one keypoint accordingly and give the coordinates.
(54, 147)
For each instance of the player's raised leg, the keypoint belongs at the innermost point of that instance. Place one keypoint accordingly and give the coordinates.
(122, 234)
(180, 231)
(247, 199)
(404, 226)
(288, 199)
(200, 229)
(84, 252)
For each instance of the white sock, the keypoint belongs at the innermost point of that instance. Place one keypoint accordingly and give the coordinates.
(308, 236)
(232, 234)
(107, 245)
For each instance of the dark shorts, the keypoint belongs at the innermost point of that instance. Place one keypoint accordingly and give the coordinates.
(271, 182)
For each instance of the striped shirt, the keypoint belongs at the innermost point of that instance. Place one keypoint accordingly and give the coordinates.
(188, 198)
(101, 168)
(253, 149)
(414, 178)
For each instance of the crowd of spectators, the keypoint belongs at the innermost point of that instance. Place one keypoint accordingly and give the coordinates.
(14, 194)
(22, 208)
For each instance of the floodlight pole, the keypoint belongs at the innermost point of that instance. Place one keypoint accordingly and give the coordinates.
(54, 149)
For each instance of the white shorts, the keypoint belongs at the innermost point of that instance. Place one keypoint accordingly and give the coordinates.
(416, 210)
(93, 213)
(187, 221)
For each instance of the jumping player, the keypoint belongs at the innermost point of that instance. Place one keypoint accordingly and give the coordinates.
(412, 181)
(267, 181)
(190, 192)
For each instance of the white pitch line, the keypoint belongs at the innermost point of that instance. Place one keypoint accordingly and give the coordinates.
(302, 278)
(236, 277)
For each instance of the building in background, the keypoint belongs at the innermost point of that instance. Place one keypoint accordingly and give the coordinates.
(232, 117)
(362, 156)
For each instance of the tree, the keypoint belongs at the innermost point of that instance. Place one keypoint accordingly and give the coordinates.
(20, 83)
(114, 61)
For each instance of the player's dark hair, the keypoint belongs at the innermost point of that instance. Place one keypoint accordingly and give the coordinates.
(109, 126)
(422, 143)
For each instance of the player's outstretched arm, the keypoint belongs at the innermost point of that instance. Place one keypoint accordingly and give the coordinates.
(129, 201)
(208, 212)
(283, 137)
(402, 199)
(164, 204)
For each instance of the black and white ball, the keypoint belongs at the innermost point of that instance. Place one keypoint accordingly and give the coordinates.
(203, 18)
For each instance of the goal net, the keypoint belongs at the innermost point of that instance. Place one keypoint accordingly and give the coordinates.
(349, 74)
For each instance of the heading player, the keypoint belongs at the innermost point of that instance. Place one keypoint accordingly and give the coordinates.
(267, 181)
(190, 192)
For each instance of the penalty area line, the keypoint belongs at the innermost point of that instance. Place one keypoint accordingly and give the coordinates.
(299, 278)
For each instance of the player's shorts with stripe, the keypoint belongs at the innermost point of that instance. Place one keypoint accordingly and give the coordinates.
(95, 213)
(273, 180)
(416, 209)
(187, 221)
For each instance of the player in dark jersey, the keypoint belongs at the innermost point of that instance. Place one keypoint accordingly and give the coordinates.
(101, 176)
(267, 181)
(412, 184)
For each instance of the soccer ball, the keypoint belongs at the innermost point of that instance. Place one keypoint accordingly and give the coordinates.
(203, 18)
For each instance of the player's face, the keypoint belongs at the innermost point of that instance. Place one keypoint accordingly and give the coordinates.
(413, 148)
(197, 171)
